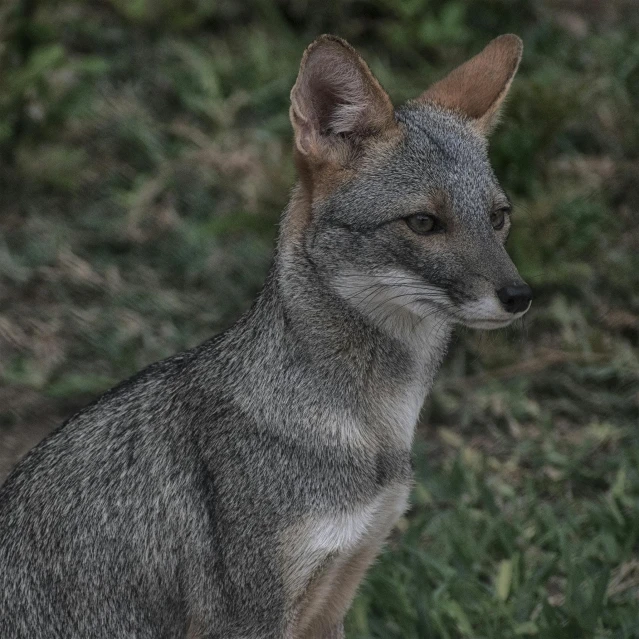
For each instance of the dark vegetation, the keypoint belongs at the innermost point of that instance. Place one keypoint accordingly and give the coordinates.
(144, 160)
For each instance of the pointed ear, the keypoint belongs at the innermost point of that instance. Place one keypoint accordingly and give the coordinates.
(336, 100)
(477, 88)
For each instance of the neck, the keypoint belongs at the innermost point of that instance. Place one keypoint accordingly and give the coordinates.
(308, 360)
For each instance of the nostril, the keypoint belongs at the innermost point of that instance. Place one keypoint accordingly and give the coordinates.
(515, 299)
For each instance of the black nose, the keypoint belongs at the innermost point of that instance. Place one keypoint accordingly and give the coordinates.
(515, 298)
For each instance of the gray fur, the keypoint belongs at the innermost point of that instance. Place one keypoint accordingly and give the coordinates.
(159, 510)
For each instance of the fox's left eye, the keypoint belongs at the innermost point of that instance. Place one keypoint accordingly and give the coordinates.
(423, 224)
(498, 218)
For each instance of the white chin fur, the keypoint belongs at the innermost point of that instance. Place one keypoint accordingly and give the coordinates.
(487, 314)
(393, 295)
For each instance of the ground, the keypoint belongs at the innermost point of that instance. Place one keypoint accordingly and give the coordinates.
(145, 156)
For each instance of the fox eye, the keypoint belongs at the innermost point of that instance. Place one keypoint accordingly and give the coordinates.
(423, 223)
(498, 218)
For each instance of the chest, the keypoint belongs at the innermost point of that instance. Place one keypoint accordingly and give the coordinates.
(326, 557)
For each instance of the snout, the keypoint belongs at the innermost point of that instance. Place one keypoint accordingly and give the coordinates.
(516, 298)
(497, 308)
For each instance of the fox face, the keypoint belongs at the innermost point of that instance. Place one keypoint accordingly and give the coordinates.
(399, 210)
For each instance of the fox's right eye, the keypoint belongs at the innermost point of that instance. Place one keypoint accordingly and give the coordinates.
(423, 223)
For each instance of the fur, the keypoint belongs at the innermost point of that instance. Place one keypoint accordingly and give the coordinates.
(242, 489)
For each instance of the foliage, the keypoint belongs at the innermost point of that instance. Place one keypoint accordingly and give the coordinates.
(144, 160)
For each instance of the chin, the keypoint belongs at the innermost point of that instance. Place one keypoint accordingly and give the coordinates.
(488, 324)
(486, 314)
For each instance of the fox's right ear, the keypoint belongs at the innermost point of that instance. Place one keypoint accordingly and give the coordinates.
(336, 101)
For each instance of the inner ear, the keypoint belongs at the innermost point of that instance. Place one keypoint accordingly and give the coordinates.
(337, 112)
(477, 88)
(336, 98)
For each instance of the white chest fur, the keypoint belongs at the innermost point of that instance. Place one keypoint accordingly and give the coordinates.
(325, 558)
(344, 532)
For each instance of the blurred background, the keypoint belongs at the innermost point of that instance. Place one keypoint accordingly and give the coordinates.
(145, 156)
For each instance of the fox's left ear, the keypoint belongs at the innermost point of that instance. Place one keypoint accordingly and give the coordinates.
(477, 88)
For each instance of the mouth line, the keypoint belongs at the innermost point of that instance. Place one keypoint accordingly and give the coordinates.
(492, 322)
(453, 312)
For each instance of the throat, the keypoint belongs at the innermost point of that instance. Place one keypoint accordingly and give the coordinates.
(319, 365)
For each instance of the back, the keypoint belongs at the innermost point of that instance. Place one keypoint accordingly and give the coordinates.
(84, 513)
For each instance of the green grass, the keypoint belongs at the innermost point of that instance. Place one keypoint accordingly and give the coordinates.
(144, 161)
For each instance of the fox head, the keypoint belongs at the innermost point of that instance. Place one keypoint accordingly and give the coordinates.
(398, 209)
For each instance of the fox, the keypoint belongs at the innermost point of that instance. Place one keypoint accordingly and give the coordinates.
(242, 489)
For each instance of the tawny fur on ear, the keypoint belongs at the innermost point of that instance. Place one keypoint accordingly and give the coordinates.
(336, 97)
(478, 87)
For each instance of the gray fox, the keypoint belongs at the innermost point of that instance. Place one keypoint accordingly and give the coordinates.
(242, 489)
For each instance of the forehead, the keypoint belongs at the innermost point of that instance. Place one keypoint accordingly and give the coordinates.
(438, 155)
(442, 149)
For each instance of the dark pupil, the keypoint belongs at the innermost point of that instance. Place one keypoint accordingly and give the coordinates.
(424, 222)
(498, 219)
